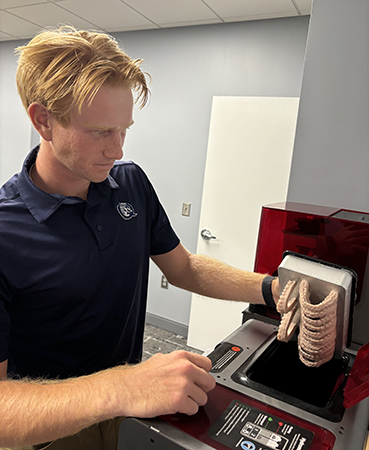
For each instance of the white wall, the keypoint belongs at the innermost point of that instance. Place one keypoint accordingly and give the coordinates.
(169, 139)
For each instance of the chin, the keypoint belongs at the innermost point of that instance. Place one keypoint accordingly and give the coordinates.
(99, 179)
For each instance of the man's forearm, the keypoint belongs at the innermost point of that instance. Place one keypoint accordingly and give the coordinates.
(212, 278)
(35, 412)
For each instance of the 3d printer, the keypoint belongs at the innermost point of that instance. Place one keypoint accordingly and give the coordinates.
(266, 397)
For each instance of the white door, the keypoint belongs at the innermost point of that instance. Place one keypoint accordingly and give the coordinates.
(248, 165)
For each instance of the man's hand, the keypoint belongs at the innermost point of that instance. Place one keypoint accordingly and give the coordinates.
(166, 384)
(275, 290)
(42, 411)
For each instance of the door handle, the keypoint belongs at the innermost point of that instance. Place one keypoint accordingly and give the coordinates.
(206, 234)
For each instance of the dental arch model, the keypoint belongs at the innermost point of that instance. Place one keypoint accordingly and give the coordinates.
(317, 322)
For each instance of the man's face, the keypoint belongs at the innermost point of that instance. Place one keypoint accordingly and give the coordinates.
(92, 141)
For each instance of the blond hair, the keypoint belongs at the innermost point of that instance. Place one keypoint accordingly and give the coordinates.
(62, 68)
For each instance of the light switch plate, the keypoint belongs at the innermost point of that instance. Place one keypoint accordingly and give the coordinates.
(186, 208)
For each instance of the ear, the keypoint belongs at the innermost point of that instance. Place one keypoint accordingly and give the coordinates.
(41, 120)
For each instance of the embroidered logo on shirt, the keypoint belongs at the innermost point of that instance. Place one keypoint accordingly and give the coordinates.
(126, 210)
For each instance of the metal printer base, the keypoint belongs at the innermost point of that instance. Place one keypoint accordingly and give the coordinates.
(245, 414)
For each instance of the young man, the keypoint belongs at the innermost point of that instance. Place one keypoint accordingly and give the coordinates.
(77, 230)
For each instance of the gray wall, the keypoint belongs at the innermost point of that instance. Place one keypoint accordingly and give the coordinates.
(15, 129)
(169, 139)
(330, 164)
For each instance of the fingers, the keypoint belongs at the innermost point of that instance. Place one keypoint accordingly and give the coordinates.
(197, 382)
(193, 369)
(194, 400)
(201, 361)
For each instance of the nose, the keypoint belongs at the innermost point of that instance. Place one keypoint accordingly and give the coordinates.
(115, 146)
(118, 152)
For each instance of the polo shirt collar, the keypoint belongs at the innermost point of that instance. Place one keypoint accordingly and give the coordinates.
(42, 205)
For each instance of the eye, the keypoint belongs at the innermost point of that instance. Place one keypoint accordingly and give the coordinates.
(100, 133)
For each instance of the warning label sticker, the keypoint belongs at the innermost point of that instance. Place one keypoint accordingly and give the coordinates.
(247, 428)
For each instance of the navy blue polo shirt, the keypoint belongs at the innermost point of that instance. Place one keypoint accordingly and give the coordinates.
(74, 273)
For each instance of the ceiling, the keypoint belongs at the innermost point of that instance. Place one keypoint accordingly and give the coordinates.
(22, 19)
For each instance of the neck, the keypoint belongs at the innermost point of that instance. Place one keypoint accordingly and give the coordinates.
(52, 177)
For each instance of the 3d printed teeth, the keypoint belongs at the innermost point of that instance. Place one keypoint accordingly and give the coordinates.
(318, 322)
(289, 307)
(288, 325)
(318, 327)
(286, 302)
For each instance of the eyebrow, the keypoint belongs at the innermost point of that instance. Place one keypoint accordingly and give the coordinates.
(103, 128)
